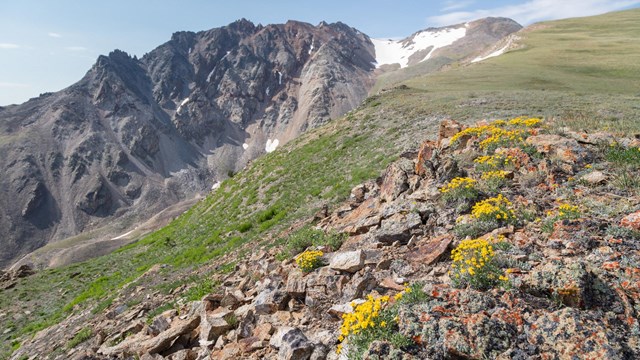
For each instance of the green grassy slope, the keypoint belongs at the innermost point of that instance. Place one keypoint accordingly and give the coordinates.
(582, 65)
(320, 168)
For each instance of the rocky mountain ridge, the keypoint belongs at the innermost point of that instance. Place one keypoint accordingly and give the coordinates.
(136, 135)
(572, 275)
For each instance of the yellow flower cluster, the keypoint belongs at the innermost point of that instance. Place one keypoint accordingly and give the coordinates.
(364, 316)
(458, 183)
(471, 256)
(497, 174)
(309, 260)
(473, 264)
(501, 137)
(495, 208)
(568, 210)
(494, 161)
(523, 121)
(500, 132)
(476, 131)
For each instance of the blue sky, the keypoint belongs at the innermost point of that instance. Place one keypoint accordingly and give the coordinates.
(48, 45)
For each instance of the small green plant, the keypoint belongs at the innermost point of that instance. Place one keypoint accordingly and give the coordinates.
(232, 320)
(413, 294)
(200, 289)
(622, 232)
(308, 236)
(563, 212)
(159, 310)
(627, 180)
(309, 260)
(620, 155)
(460, 188)
(82, 336)
(473, 264)
(494, 180)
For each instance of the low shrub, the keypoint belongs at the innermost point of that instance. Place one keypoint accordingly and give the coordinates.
(460, 188)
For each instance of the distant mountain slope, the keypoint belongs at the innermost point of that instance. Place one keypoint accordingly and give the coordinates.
(591, 55)
(136, 135)
(427, 51)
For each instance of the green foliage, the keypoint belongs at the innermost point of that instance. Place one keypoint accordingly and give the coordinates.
(82, 336)
(414, 294)
(460, 188)
(159, 310)
(620, 155)
(620, 232)
(232, 320)
(308, 236)
(245, 226)
(200, 289)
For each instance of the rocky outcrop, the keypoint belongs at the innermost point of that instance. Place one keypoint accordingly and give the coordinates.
(572, 290)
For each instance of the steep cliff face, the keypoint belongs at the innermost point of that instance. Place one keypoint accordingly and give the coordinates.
(136, 135)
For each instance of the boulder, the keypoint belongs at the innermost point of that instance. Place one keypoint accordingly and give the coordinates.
(292, 344)
(214, 325)
(398, 228)
(571, 334)
(349, 261)
(428, 251)
(269, 301)
(158, 325)
(594, 178)
(395, 180)
(296, 285)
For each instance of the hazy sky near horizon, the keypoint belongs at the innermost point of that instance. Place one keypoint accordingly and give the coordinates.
(49, 45)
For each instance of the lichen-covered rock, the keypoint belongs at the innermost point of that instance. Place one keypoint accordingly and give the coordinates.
(570, 282)
(570, 333)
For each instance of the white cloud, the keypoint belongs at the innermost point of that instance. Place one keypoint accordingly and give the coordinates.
(76, 48)
(13, 85)
(9, 46)
(456, 5)
(535, 10)
(54, 35)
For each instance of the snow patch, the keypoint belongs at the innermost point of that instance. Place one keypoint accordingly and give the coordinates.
(216, 185)
(271, 145)
(267, 91)
(210, 74)
(183, 103)
(398, 51)
(493, 54)
(279, 78)
(123, 235)
(245, 146)
(311, 48)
